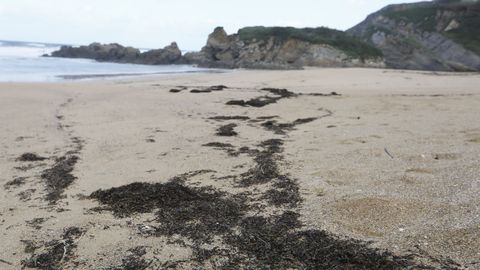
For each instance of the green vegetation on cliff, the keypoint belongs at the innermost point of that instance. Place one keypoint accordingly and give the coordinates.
(468, 34)
(352, 46)
(429, 16)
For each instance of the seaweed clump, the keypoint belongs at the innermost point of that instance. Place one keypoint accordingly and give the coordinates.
(230, 149)
(30, 157)
(281, 128)
(264, 100)
(276, 243)
(227, 130)
(195, 213)
(266, 168)
(19, 181)
(59, 177)
(218, 145)
(285, 191)
(234, 117)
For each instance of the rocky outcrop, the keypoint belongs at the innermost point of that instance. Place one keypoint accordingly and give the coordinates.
(120, 54)
(279, 48)
(168, 55)
(440, 35)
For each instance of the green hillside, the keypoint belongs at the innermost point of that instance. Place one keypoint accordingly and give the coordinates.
(426, 17)
(352, 46)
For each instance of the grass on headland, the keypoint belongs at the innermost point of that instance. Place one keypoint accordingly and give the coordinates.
(352, 46)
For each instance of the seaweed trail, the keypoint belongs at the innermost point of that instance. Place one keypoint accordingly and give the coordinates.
(266, 168)
(195, 213)
(282, 128)
(219, 145)
(227, 130)
(233, 117)
(264, 100)
(218, 87)
(331, 94)
(202, 214)
(276, 243)
(55, 252)
(59, 177)
(230, 149)
(285, 192)
(223, 230)
(198, 90)
(278, 94)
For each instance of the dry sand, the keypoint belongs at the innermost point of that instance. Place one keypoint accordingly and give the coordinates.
(394, 160)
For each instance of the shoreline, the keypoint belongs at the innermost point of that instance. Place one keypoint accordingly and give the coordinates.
(392, 159)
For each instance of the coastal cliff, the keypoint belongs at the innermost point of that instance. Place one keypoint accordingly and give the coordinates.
(284, 48)
(441, 35)
(251, 47)
(438, 35)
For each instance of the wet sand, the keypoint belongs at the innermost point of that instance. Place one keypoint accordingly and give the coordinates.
(390, 157)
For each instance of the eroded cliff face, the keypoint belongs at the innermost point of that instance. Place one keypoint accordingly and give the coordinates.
(439, 35)
(230, 51)
(119, 54)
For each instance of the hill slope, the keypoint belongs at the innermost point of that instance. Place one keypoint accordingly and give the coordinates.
(438, 35)
(285, 48)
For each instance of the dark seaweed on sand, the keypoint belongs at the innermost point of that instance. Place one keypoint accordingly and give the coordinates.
(218, 145)
(132, 261)
(30, 157)
(19, 181)
(197, 91)
(276, 243)
(246, 240)
(217, 87)
(59, 177)
(233, 117)
(282, 128)
(179, 89)
(285, 192)
(266, 168)
(331, 94)
(230, 149)
(56, 251)
(227, 130)
(195, 213)
(264, 100)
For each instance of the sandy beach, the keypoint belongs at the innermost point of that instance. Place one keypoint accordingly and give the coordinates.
(385, 162)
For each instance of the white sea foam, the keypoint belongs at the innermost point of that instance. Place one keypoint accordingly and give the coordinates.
(23, 62)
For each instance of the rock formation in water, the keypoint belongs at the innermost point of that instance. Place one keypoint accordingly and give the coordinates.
(120, 54)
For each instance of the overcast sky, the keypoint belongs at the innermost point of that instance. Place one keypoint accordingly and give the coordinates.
(155, 23)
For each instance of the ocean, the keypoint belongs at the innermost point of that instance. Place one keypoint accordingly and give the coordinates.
(22, 62)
